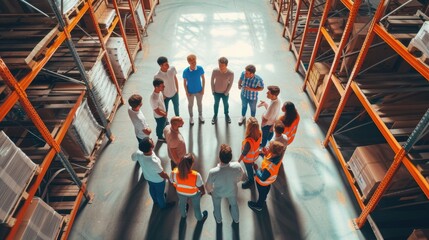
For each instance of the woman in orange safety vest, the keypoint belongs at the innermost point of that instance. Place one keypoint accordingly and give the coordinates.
(267, 175)
(290, 119)
(188, 184)
(250, 149)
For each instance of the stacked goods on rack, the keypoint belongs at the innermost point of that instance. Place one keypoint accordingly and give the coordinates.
(16, 171)
(369, 165)
(118, 54)
(40, 222)
(140, 15)
(421, 42)
(83, 134)
(66, 6)
(316, 77)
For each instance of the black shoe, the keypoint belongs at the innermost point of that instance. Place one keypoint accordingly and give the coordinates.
(205, 214)
(254, 206)
(228, 119)
(246, 185)
(214, 119)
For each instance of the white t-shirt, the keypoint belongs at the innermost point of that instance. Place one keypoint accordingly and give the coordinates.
(223, 179)
(169, 81)
(139, 122)
(157, 101)
(150, 165)
(272, 112)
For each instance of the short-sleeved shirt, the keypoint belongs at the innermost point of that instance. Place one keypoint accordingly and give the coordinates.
(223, 179)
(193, 79)
(157, 101)
(222, 82)
(150, 165)
(175, 142)
(139, 122)
(254, 82)
(169, 82)
(272, 112)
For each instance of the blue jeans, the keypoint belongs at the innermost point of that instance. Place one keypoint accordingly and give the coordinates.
(156, 191)
(250, 173)
(217, 97)
(251, 103)
(160, 125)
(175, 100)
(266, 135)
(262, 194)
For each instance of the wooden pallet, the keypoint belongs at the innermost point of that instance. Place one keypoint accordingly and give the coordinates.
(418, 53)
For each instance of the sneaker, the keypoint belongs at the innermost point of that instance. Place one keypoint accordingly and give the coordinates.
(205, 214)
(161, 140)
(201, 119)
(191, 121)
(254, 206)
(228, 119)
(246, 185)
(214, 119)
(241, 120)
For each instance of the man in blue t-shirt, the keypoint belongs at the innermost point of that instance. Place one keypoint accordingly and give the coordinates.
(194, 81)
(250, 84)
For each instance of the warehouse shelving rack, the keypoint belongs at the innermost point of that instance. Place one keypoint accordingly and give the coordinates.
(297, 11)
(308, 36)
(402, 139)
(333, 82)
(18, 70)
(282, 9)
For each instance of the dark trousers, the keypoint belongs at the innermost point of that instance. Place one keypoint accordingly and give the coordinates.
(156, 191)
(249, 170)
(263, 193)
(160, 125)
(217, 97)
(266, 135)
(175, 100)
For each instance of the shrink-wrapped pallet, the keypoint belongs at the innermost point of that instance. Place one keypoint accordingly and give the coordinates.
(103, 87)
(83, 133)
(16, 171)
(118, 54)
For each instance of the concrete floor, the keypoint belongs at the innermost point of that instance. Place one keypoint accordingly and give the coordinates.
(308, 201)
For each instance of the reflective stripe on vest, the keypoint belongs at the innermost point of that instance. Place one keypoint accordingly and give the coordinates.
(186, 186)
(253, 153)
(291, 130)
(272, 168)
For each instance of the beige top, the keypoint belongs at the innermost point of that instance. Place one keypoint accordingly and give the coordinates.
(175, 144)
(222, 82)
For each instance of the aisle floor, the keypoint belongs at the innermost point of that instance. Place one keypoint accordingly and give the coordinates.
(308, 201)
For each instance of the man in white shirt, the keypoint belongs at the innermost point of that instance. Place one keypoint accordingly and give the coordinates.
(141, 127)
(271, 114)
(158, 106)
(171, 92)
(152, 172)
(222, 183)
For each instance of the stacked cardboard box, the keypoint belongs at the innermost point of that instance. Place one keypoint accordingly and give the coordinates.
(316, 76)
(369, 165)
(118, 54)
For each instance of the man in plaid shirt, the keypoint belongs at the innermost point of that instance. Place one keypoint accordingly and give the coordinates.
(250, 84)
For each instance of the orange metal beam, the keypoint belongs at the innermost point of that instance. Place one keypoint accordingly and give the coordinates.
(295, 24)
(421, 181)
(136, 26)
(103, 47)
(317, 42)
(73, 213)
(329, 39)
(348, 4)
(347, 30)
(124, 35)
(27, 79)
(349, 177)
(382, 187)
(304, 35)
(402, 51)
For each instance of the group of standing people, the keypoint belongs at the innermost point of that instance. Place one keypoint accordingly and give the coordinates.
(268, 139)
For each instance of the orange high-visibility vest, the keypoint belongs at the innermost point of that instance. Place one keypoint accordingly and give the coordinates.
(290, 131)
(186, 186)
(272, 168)
(253, 153)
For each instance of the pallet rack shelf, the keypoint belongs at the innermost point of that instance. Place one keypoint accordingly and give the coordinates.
(396, 104)
(282, 9)
(331, 37)
(24, 66)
